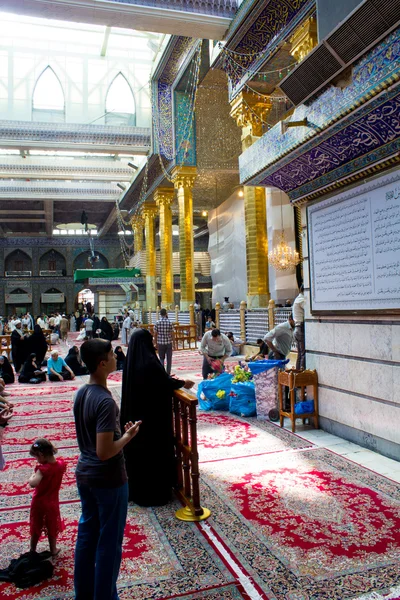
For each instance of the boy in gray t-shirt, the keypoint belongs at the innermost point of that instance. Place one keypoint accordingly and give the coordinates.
(101, 477)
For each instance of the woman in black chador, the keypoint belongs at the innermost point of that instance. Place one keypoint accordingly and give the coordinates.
(36, 344)
(147, 396)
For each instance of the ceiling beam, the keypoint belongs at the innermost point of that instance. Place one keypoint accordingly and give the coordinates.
(49, 216)
(108, 223)
(21, 212)
(107, 32)
(23, 220)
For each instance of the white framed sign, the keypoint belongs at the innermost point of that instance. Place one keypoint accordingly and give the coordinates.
(354, 248)
(52, 298)
(18, 298)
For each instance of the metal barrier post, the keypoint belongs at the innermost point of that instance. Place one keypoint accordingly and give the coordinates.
(217, 311)
(271, 314)
(157, 313)
(243, 320)
(187, 458)
(176, 314)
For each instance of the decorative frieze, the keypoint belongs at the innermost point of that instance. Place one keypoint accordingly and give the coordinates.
(81, 133)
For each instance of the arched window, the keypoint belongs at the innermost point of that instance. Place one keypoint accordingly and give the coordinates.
(120, 103)
(48, 102)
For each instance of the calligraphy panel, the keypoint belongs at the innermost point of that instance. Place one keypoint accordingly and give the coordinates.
(354, 248)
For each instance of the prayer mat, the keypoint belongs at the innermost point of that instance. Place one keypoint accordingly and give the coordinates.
(307, 524)
(60, 432)
(221, 435)
(162, 558)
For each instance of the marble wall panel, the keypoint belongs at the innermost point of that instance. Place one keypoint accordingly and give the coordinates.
(378, 419)
(396, 343)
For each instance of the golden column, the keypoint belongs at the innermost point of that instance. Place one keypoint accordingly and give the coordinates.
(137, 227)
(249, 113)
(149, 212)
(304, 39)
(184, 178)
(163, 198)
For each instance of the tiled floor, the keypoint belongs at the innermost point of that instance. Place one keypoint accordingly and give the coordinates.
(372, 460)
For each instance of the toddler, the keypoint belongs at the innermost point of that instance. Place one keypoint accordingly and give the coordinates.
(45, 508)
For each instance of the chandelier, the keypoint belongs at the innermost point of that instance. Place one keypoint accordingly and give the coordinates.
(283, 257)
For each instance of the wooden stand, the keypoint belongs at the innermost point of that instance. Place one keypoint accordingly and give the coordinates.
(297, 379)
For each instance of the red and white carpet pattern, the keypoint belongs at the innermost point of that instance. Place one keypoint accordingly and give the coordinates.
(289, 521)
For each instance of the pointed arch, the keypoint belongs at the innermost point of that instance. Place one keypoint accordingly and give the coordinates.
(120, 102)
(48, 99)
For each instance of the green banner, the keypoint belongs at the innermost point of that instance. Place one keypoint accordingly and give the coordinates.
(83, 274)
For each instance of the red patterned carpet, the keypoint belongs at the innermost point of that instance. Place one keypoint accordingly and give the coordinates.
(289, 521)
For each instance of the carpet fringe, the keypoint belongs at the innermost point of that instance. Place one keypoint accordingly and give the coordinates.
(244, 580)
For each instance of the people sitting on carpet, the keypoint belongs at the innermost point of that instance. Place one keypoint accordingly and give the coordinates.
(236, 343)
(209, 324)
(82, 334)
(54, 338)
(57, 368)
(37, 344)
(45, 507)
(262, 353)
(73, 360)
(6, 371)
(31, 372)
(147, 392)
(115, 328)
(120, 356)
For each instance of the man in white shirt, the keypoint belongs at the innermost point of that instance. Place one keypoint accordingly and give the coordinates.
(89, 328)
(279, 340)
(214, 345)
(298, 317)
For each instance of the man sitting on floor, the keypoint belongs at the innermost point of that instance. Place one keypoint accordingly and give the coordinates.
(57, 368)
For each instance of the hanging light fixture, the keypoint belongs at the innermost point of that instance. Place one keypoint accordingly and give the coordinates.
(283, 257)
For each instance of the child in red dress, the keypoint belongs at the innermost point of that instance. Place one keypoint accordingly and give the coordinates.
(45, 508)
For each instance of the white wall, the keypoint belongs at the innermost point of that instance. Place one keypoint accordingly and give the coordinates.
(227, 249)
(357, 358)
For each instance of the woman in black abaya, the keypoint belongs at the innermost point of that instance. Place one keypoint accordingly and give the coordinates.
(36, 344)
(106, 329)
(147, 396)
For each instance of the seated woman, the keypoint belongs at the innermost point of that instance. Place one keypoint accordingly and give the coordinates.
(120, 356)
(30, 372)
(57, 368)
(115, 328)
(106, 330)
(73, 360)
(6, 371)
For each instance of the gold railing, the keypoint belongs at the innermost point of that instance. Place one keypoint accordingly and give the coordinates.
(187, 458)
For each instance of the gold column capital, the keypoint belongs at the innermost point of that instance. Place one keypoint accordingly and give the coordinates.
(164, 196)
(304, 39)
(249, 111)
(137, 221)
(184, 177)
(149, 211)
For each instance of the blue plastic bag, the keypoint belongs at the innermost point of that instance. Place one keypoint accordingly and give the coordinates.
(305, 407)
(207, 390)
(259, 366)
(243, 399)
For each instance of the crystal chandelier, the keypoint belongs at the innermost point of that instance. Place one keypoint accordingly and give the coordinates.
(283, 257)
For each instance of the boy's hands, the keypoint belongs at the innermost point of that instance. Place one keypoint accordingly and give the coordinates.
(131, 429)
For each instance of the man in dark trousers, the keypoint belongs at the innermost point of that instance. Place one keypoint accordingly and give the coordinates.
(101, 478)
